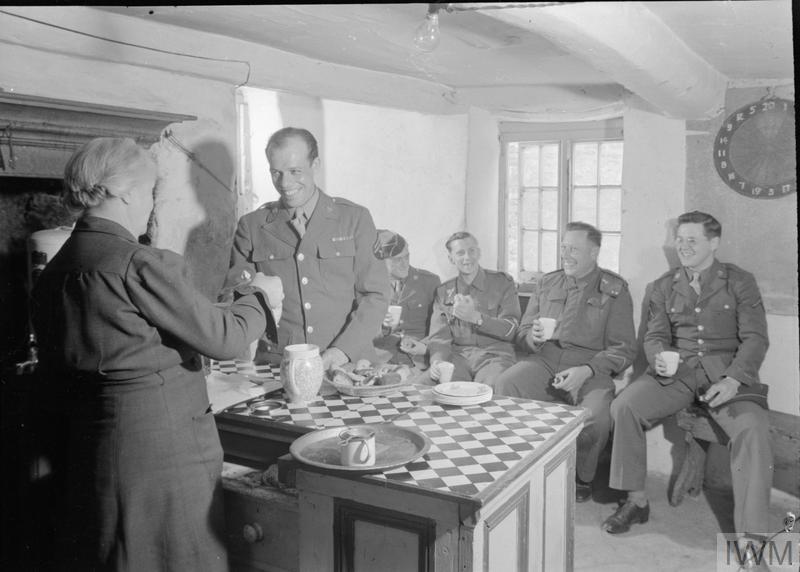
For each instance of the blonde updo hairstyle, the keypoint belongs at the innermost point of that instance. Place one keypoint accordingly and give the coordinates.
(104, 167)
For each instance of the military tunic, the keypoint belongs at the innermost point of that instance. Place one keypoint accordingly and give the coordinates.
(722, 332)
(416, 298)
(336, 291)
(480, 352)
(594, 327)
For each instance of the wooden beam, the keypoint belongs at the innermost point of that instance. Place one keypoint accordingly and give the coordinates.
(634, 47)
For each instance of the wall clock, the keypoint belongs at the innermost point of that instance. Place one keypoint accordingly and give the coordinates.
(754, 151)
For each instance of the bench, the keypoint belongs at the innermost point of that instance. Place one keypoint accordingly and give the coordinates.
(784, 432)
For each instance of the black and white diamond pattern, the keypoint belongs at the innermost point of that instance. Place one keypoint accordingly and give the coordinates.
(471, 447)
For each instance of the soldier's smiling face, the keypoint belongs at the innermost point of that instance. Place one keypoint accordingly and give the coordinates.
(578, 253)
(695, 249)
(292, 172)
(465, 254)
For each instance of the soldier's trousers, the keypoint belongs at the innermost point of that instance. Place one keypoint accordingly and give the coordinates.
(646, 401)
(533, 379)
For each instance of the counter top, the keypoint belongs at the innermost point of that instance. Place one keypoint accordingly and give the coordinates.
(474, 450)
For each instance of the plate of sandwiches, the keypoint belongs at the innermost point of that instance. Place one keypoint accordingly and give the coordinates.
(462, 393)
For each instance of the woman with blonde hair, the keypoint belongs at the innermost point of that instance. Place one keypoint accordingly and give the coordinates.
(121, 330)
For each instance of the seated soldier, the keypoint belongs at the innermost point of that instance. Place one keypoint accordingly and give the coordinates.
(412, 292)
(475, 317)
(710, 313)
(593, 340)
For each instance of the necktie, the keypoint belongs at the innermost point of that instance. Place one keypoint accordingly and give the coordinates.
(695, 282)
(299, 222)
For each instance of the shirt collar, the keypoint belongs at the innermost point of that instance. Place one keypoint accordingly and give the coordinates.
(90, 223)
(307, 207)
(704, 274)
(479, 282)
(581, 283)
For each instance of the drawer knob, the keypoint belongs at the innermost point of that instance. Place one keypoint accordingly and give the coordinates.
(253, 533)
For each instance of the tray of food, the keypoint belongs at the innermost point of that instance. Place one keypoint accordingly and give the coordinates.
(362, 379)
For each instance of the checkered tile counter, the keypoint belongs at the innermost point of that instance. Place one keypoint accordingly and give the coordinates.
(471, 447)
(247, 367)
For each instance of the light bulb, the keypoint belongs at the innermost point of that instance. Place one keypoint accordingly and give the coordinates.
(426, 38)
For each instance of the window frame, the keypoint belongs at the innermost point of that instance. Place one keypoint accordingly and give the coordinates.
(565, 134)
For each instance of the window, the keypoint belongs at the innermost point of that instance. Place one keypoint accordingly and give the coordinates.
(554, 174)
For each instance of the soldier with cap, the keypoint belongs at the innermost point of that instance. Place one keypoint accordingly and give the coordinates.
(711, 313)
(593, 340)
(321, 247)
(413, 290)
(475, 317)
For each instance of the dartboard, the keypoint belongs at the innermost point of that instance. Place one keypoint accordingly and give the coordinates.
(754, 151)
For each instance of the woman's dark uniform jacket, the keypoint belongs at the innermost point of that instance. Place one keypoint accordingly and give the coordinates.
(336, 291)
(120, 328)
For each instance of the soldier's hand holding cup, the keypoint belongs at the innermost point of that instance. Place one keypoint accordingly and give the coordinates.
(537, 334)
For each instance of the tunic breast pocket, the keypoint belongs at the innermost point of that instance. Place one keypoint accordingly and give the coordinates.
(594, 311)
(337, 263)
(271, 257)
(723, 311)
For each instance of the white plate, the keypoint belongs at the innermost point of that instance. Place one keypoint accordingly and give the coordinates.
(462, 401)
(462, 389)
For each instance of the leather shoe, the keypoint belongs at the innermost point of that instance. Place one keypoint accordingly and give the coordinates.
(626, 514)
(583, 490)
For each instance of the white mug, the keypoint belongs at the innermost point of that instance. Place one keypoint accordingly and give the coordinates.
(395, 312)
(549, 326)
(672, 359)
(357, 446)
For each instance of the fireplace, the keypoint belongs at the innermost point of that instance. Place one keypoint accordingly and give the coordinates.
(37, 137)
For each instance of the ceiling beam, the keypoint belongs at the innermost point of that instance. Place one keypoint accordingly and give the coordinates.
(634, 47)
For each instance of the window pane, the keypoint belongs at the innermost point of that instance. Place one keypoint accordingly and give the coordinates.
(583, 205)
(512, 208)
(549, 166)
(530, 166)
(549, 251)
(530, 250)
(550, 209)
(530, 208)
(610, 209)
(611, 163)
(584, 164)
(609, 252)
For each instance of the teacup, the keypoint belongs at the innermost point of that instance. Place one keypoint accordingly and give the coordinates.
(357, 447)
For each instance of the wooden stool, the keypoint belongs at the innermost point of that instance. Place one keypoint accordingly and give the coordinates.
(698, 426)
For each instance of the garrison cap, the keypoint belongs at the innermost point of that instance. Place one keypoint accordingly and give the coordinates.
(388, 244)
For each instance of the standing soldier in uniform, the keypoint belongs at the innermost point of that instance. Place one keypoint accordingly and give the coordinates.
(711, 313)
(594, 339)
(336, 291)
(474, 318)
(413, 289)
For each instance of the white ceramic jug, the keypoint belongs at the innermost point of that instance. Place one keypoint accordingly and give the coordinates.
(301, 372)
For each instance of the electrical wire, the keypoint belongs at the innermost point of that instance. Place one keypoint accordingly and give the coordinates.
(120, 42)
(497, 6)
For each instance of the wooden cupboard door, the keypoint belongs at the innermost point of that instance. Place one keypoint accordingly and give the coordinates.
(505, 534)
(368, 538)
